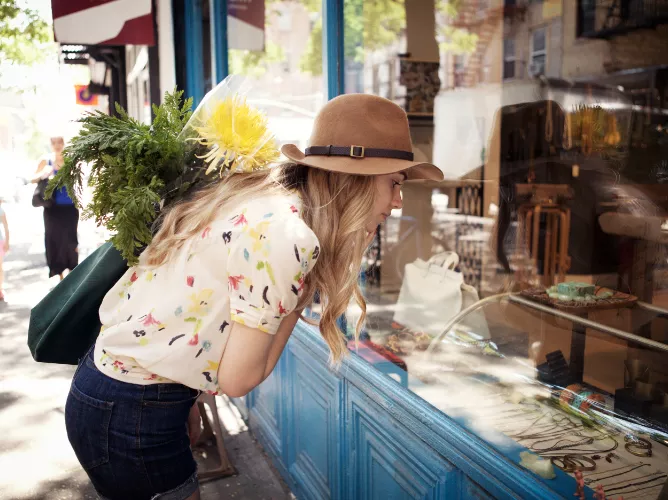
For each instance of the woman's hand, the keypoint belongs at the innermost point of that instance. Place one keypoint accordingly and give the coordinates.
(194, 424)
(43, 171)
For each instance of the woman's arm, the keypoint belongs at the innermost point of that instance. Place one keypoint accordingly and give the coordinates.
(280, 340)
(42, 168)
(251, 355)
(6, 227)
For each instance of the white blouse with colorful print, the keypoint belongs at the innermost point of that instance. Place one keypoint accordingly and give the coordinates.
(171, 323)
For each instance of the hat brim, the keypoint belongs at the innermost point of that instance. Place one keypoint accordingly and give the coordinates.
(365, 166)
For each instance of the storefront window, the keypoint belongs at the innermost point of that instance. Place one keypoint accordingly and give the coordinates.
(374, 40)
(526, 296)
(286, 77)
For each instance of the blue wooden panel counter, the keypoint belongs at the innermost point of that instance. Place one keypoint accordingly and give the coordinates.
(355, 433)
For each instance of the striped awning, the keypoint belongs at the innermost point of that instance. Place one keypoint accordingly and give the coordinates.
(103, 22)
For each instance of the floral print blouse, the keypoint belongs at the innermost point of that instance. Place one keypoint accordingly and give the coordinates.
(171, 323)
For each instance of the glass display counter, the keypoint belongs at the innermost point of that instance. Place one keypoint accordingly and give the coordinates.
(555, 391)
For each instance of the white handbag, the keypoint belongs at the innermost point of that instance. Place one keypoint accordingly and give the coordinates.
(432, 293)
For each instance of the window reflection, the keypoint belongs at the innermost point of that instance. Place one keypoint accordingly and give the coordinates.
(549, 120)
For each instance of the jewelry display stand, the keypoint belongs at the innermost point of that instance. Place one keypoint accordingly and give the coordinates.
(548, 200)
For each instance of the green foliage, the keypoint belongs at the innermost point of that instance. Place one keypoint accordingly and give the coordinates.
(133, 166)
(23, 33)
(373, 24)
(369, 25)
(254, 63)
(311, 60)
(456, 40)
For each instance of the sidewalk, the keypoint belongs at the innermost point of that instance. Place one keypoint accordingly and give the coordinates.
(36, 460)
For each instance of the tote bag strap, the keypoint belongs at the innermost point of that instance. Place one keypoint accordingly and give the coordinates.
(447, 260)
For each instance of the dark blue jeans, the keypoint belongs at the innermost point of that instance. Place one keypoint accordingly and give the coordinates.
(132, 440)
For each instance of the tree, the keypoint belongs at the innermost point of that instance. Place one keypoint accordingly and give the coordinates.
(369, 25)
(23, 33)
(373, 24)
(457, 40)
(254, 63)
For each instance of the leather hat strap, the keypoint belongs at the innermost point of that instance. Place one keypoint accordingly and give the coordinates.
(358, 152)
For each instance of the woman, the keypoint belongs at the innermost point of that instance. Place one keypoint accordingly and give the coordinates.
(217, 293)
(61, 219)
(4, 245)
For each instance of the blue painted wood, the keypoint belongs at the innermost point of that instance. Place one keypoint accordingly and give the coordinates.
(194, 52)
(266, 409)
(356, 433)
(332, 46)
(386, 461)
(313, 426)
(219, 39)
(472, 491)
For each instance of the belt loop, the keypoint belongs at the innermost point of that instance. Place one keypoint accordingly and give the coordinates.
(329, 150)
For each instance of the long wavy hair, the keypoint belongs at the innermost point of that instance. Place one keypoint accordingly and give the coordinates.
(334, 205)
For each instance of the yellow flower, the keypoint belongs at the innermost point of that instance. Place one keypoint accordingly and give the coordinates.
(236, 133)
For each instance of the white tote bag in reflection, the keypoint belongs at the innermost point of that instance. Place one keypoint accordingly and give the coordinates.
(432, 293)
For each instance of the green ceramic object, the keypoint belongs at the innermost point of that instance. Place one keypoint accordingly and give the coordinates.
(572, 291)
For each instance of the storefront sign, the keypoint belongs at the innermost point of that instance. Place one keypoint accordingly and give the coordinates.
(103, 22)
(84, 97)
(245, 24)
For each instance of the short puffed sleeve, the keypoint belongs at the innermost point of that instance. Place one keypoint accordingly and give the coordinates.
(267, 265)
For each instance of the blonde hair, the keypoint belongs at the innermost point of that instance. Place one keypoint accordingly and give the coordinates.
(334, 205)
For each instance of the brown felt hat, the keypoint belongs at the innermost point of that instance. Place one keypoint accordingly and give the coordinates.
(364, 135)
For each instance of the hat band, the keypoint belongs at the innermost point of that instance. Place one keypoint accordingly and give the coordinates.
(358, 152)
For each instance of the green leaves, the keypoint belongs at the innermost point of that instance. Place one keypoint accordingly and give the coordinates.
(24, 34)
(130, 164)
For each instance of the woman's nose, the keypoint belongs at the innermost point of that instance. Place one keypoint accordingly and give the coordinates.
(397, 202)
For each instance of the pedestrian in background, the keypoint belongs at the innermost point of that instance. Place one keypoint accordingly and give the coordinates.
(4, 246)
(61, 218)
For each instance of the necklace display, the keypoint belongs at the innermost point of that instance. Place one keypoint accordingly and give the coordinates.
(570, 445)
(661, 474)
(641, 489)
(587, 440)
(637, 484)
(572, 463)
(590, 480)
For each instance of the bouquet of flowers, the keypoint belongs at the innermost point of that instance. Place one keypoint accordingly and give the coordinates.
(137, 170)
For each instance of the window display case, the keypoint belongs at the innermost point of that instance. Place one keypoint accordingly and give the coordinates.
(556, 390)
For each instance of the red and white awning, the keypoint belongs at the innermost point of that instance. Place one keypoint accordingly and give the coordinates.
(103, 22)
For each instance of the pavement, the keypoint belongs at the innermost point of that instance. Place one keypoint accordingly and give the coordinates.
(36, 460)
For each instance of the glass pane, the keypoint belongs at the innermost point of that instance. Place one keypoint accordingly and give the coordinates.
(509, 69)
(374, 33)
(553, 212)
(287, 75)
(508, 48)
(538, 40)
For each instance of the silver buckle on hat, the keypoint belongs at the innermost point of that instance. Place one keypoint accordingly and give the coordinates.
(352, 151)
